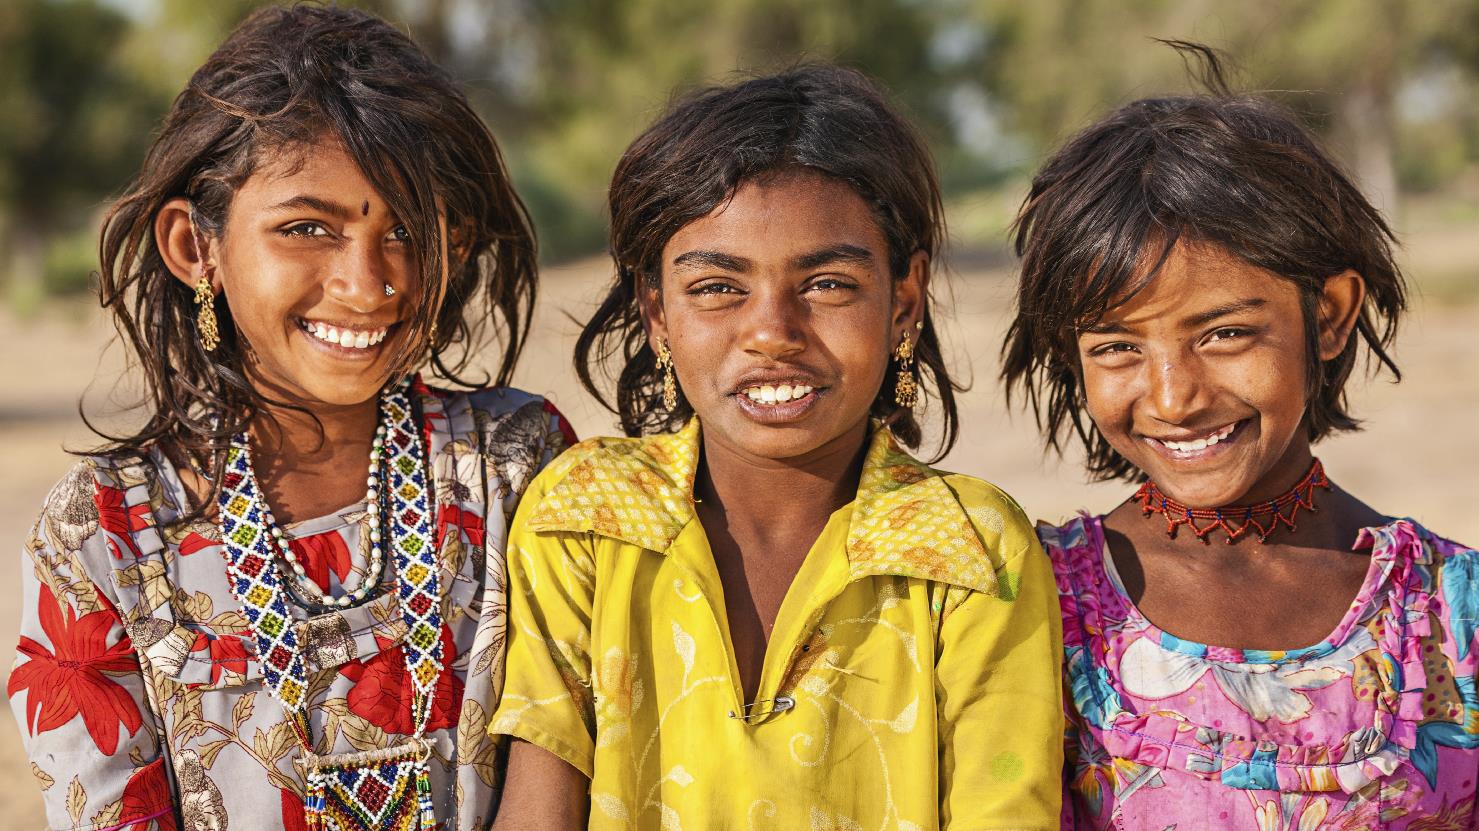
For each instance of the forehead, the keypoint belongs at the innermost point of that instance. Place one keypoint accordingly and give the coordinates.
(319, 165)
(1197, 277)
(781, 217)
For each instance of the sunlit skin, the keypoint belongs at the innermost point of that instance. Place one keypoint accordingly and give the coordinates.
(308, 241)
(1215, 346)
(787, 283)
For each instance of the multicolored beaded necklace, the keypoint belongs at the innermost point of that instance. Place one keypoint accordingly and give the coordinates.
(380, 789)
(1235, 521)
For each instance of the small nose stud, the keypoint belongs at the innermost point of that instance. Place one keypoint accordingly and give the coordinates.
(389, 292)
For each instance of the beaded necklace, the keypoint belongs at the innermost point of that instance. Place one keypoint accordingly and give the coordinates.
(387, 788)
(1235, 521)
(312, 596)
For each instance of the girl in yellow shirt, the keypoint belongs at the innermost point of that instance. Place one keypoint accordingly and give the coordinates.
(760, 612)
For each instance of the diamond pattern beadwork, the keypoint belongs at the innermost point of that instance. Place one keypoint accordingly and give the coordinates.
(389, 792)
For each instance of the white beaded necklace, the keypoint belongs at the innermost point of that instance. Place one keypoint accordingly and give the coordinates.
(376, 568)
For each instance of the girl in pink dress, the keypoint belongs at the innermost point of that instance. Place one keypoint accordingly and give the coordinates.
(1247, 645)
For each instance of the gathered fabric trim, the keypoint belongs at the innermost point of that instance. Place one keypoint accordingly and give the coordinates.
(1394, 590)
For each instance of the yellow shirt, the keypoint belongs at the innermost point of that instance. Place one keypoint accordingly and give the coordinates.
(911, 680)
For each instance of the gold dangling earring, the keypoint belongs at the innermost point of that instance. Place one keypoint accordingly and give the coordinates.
(205, 316)
(906, 389)
(669, 381)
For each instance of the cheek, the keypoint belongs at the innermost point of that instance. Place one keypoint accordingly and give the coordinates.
(1107, 398)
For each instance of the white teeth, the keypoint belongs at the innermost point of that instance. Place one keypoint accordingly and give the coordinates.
(766, 394)
(347, 338)
(1199, 444)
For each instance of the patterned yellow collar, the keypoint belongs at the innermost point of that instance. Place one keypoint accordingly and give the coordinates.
(906, 520)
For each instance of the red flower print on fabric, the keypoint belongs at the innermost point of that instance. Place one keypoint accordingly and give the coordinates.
(227, 654)
(452, 519)
(382, 690)
(319, 554)
(294, 818)
(73, 680)
(194, 542)
(119, 520)
(145, 796)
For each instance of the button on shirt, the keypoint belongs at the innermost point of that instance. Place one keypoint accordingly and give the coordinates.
(911, 680)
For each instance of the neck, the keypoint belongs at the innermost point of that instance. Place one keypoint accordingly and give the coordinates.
(769, 496)
(312, 461)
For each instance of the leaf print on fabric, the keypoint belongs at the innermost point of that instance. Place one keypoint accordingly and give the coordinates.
(73, 680)
(71, 515)
(383, 692)
(684, 646)
(1264, 691)
(1461, 594)
(146, 795)
(76, 799)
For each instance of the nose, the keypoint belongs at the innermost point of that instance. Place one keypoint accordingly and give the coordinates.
(1177, 389)
(359, 276)
(774, 327)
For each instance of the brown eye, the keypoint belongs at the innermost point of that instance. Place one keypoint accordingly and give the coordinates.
(304, 229)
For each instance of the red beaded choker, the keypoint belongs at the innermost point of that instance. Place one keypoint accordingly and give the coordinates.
(1235, 521)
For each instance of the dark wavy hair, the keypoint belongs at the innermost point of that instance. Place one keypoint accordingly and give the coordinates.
(827, 119)
(1231, 170)
(284, 81)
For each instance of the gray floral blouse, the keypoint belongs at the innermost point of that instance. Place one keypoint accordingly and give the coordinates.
(136, 681)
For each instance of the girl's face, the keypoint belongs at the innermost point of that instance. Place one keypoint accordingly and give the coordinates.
(781, 315)
(1199, 380)
(305, 260)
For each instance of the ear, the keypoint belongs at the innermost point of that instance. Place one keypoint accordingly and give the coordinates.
(649, 301)
(1340, 308)
(185, 253)
(910, 294)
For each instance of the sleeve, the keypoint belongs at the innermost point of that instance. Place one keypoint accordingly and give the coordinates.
(77, 689)
(547, 698)
(1000, 704)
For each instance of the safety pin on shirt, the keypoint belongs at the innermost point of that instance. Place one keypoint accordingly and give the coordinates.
(750, 712)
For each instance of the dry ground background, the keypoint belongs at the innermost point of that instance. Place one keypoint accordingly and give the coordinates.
(1417, 457)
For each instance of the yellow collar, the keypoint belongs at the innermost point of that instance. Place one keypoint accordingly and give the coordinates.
(905, 521)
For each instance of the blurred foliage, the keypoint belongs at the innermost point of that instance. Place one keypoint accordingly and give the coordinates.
(566, 84)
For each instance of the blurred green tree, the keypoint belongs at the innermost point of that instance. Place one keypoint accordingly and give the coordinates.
(72, 125)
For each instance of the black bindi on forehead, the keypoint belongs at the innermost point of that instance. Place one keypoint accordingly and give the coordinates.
(365, 208)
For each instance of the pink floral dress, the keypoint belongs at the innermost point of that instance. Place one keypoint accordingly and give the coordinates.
(1375, 727)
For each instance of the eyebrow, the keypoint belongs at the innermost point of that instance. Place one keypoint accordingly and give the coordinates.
(313, 203)
(1203, 318)
(842, 253)
(1198, 319)
(834, 254)
(712, 259)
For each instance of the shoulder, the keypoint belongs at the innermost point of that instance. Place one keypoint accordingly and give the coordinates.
(997, 518)
(502, 419)
(606, 459)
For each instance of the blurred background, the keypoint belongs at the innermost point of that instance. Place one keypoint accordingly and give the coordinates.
(1393, 87)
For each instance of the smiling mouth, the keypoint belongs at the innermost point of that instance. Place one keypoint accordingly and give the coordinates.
(764, 394)
(343, 337)
(1198, 446)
